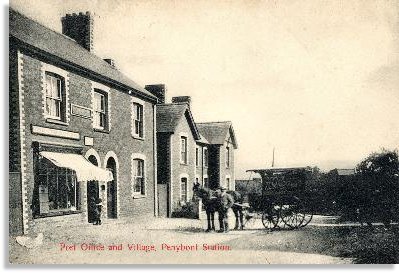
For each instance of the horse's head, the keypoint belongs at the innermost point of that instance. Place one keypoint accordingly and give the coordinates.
(200, 192)
(196, 190)
(196, 187)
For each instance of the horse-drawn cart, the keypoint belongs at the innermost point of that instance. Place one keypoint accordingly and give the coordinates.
(283, 201)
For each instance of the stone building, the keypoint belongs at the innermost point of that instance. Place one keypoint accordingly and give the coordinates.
(79, 129)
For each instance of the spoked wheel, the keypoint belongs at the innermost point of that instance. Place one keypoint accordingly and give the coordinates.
(306, 219)
(270, 218)
(292, 214)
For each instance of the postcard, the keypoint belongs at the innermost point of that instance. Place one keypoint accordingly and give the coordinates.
(203, 132)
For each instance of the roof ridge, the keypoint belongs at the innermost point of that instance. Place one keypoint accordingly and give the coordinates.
(227, 121)
(173, 103)
(100, 66)
(52, 30)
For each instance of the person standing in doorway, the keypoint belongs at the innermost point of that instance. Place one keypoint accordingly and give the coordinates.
(98, 209)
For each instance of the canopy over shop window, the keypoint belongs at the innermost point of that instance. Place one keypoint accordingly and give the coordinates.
(85, 171)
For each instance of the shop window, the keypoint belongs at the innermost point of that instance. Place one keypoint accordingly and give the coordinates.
(58, 189)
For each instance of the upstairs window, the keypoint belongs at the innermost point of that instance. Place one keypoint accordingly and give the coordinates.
(100, 110)
(138, 183)
(197, 155)
(227, 157)
(206, 157)
(138, 120)
(55, 97)
(183, 150)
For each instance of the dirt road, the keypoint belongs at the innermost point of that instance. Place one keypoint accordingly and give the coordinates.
(173, 241)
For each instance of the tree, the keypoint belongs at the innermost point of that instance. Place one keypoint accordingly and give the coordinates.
(378, 186)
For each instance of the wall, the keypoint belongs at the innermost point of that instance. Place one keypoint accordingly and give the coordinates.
(177, 168)
(224, 171)
(118, 140)
(214, 166)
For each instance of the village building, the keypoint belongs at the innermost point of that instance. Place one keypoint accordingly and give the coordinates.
(79, 130)
(176, 153)
(221, 143)
(186, 156)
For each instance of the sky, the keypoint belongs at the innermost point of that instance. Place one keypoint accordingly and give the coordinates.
(316, 80)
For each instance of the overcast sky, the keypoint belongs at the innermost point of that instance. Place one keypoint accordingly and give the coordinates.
(317, 80)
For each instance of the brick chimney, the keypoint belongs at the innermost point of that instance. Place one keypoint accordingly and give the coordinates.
(182, 99)
(79, 27)
(158, 90)
(111, 62)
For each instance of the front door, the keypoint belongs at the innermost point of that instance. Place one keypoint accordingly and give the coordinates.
(92, 196)
(112, 190)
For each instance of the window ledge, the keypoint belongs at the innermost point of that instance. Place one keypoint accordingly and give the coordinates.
(139, 196)
(56, 121)
(105, 131)
(138, 138)
(57, 213)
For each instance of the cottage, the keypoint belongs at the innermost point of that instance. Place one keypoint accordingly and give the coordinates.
(176, 153)
(79, 129)
(189, 152)
(221, 143)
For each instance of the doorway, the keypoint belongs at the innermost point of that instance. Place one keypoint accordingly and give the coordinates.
(112, 190)
(93, 193)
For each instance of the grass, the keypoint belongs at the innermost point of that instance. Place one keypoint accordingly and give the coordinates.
(375, 245)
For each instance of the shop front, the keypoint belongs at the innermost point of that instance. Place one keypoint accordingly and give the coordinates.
(66, 183)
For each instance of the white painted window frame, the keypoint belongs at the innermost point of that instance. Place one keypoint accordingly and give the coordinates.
(106, 90)
(183, 175)
(48, 68)
(135, 100)
(185, 135)
(132, 175)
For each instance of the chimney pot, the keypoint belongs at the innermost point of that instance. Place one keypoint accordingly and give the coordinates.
(158, 90)
(182, 99)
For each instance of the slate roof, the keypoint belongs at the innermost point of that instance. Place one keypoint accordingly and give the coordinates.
(203, 140)
(216, 132)
(31, 33)
(169, 116)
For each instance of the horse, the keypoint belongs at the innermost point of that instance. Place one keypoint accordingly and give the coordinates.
(212, 204)
(210, 201)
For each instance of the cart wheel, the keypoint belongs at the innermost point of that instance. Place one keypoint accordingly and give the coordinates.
(270, 218)
(306, 219)
(293, 214)
(249, 219)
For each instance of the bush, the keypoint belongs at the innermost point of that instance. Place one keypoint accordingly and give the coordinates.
(374, 194)
(187, 210)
